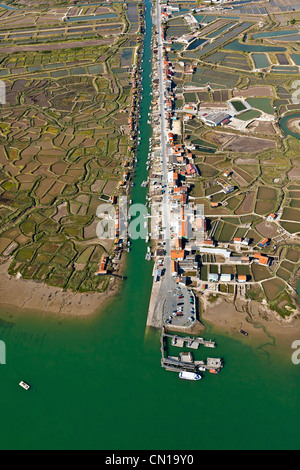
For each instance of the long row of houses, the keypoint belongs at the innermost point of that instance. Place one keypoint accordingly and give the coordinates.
(186, 248)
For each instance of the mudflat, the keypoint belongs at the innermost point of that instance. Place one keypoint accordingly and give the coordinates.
(34, 296)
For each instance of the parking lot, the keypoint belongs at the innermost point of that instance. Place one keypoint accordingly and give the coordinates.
(179, 307)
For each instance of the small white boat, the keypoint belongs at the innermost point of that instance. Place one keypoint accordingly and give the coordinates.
(201, 369)
(189, 375)
(24, 385)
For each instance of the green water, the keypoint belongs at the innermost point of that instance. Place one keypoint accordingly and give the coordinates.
(296, 58)
(97, 382)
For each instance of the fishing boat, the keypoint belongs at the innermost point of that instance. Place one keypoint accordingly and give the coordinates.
(214, 371)
(24, 385)
(189, 375)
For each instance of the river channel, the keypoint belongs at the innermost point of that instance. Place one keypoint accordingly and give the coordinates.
(97, 382)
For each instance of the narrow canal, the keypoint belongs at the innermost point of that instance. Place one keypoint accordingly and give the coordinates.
(97, 382)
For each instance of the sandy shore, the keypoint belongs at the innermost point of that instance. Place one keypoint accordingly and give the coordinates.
(30, 295)
(262, 324)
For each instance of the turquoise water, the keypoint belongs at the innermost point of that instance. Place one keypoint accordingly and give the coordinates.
(98, 384)
(218, 42)
(272, 34)
(199, 18)
(195, 44)
(219, 31)
(294, 38)
(284, 70)
(283, 124)
(2, 5)
(238, 46)
(209, 19)
(177, 46)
